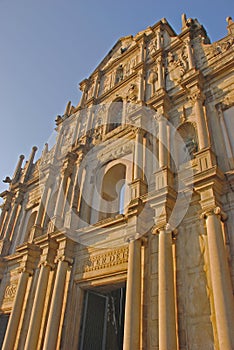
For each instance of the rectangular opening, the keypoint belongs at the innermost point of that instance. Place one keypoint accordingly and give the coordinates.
(4, 318)
(102, 325)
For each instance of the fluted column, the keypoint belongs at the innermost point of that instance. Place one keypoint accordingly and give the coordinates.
(166, 295)
(220, 279)
(133, 297)
(202, 130)
(46, 264)
(26, 269)
(162, 135)
(52, 329)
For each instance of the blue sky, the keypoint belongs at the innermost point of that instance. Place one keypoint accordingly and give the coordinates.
(47, 47)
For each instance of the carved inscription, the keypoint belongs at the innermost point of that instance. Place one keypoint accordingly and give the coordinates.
(106, 260)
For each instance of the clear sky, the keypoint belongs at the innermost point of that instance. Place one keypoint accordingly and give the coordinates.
(47, 47)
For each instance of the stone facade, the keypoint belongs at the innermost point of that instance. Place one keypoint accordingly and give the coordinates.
(120, 236)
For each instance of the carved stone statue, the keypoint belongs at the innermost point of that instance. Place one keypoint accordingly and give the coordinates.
(132, 93)
(152, 48)
(152, 80)
(119, 74)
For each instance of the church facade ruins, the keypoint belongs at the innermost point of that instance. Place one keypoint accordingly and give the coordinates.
(121, 234)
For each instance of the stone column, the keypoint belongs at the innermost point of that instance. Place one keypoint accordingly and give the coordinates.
(190, 54)
(225, 136)
(220, 279)
(26, 269)
(138, 155)
(54, 318)
(47, 263)
(166, 295)
(158, 36)
(160, 73)
(163, 152)
(141, 87)
(65, 174)
(133, 297)
(202, 130)
(97, 84)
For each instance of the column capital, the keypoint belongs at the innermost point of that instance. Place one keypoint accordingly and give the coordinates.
(49, 248)
(30, 255)
(134, 237)
(165, 228)
(214, 211)
(65, 250)
(19, 197)
(197, 96)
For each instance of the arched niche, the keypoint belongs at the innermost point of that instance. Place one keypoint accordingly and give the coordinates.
(115, 115)
(114, 191)
(30, 223)
(186, 143)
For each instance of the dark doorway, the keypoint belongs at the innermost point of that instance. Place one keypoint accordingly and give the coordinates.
(102, 326)
(4, 318)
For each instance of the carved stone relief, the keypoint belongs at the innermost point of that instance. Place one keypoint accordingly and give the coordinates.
(116, 152)
(177, 65)
(152, 80)
(152, 48)
(106, 260)
(10, 292)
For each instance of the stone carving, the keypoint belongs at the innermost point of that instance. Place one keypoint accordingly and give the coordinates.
(152, 79)
(119, 74)
(69, 110)
(10, 292)
(106, 260)
(106, 83)
(127, 69)
(229, 20)
(192, 146)
(90, 92)
(67, 139)
(223, 46)
(152, 48)
(132, 93)
(116, 153)
(177, 65)
(228, 101)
